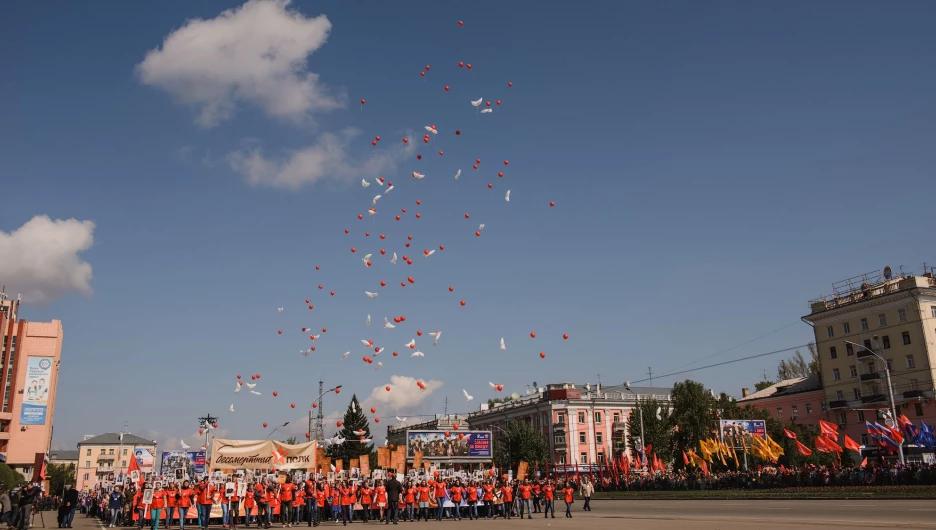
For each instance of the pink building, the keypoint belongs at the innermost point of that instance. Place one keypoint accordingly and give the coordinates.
(30, 353)
(800, 400)
(582, 425)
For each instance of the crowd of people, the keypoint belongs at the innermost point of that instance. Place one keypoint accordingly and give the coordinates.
(16, 505)
(312, 502)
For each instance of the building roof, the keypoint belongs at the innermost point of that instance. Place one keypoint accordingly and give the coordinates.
(787, 387)
(64, 455)
(112, 438)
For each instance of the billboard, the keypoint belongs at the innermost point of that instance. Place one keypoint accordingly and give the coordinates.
(36, 395)
(733, 431)
(460, 445)
(189, 464)
(261, 454)
(144, 456)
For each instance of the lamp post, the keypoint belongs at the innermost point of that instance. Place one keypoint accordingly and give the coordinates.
(316, 400)
(643, 440)
(890, 388)
(276, 429)
(509, 466)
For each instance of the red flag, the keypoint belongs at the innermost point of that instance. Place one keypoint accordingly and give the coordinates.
(614, 471)
(789, 434)
(685, 459)
(825, 445)
(648, 449)
(43, 471)
(864, 462)
(626, 465)
(577, 477)
(803, 450)
(135, 466)
(829, 430)
(705, 470)
(896, 435)
(591, 476)
(850, 444)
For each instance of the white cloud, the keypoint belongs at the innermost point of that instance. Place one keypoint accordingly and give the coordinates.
(255, 53)
(327, 158)
(41, 258)
(404, 397)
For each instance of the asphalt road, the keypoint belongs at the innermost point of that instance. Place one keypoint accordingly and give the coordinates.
(691, 515)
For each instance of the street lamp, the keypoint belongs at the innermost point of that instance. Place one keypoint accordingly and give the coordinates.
(643, 440)
(890, 388)
(206, 422)
(276, 429)
(509, 463)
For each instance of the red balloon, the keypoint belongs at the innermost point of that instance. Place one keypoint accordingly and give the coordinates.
(477, 161)
(292, 405)
(422, 74)
(387, 387)
(307, 300)
(337, 390)
(360, 216)
(427, 67)
(417, 217)
(366, 234)
(374, 142)
(468, 66)
(201, 431)
(316, 267)
(378, 139)
(332, 293)
(320, 286)
(457, 132)
(279, 332)
(312, 348)
(467, 216)
(460, 64)
(308, 435)
(403, 210)
(419, 333)
(509, 83)
(451, 288)
(488, 103)
(396, 320)
(460, 23)
(551, 204)
(462, 302)
(264, 425)
(215, 425)
(402, 318)
(373, 410)
(446, 435)
(368, 263)
(345, 231)
(542, 355)
(500, 174)
(383, 283)
(315, 405)
(441, 247)
(383, 236)
(402, 284)
(565, 336)
(398, 218)
(506, 162)
(275, 394)
(455, 426)
(490, 185)
(324, 330)
(498, 102)
(395, 354)
(238, 376)
(405, 141)
(409, 238)
(353, 250)
(474, 166)
(304, 330)
(446, 88)
(460, 436)
(338, 423)
(532, 335)
(363, 102)
(418, 157)
(500, 388)
(376, 420)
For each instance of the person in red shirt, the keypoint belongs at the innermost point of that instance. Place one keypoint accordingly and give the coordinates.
(423, 499)
(438, 488)
(272, 498)
(346, 498)
(537, 495)
(380, 497)
(159, 502)
(172, 498)
(320, 497)
(298, 503)
(457, 492)
(525, 494)
(233, 507)
(310, 500)
(507, 493)
(286, 500)
(249, 504)
(263, 506)
(549, 495)
(568, 491)
(366, 494)
(184, 502)
(409, 500)
(472, 500)
(488, 499)
(205, 494)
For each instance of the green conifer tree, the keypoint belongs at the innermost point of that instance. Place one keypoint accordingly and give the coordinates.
(355, 419)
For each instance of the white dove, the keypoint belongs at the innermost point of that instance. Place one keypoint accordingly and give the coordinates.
(430, 129)
(507, 196)
(364, 183)
(359, 432)
(315, 337)
(468, 396)
(418, 354)
(378, 351)
(184, 445)
(370, 294)
(393, 259)
(401, 420)
(436, 335)
(481, 227)
(418, 175)
(374, 200)
(365, 343)
(372, 211)
(237, 388)
(487, 111)
(427, 254)
(366, 258)
(280, 309)
(389, 189)
(353, 408)
(367, 320)
(387, 324)
(477, 103)
(306, 352)
(457, 174)
(231, 408)
(378, 182)
(345, 355)
(366, 440)
(251, 385)
(411, 344)
(254, 392)
(379, 366)
(492, 385)
(503, 346)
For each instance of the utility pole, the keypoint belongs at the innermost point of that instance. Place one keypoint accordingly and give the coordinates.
(650, 373)
(319, 433)
(205, 423)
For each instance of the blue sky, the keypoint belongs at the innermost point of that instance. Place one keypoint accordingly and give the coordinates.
(714, 166)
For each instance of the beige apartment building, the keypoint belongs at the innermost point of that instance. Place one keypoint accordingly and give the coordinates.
(893, 315)
(103, 458)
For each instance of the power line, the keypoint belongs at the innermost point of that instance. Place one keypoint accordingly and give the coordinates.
(755, 339)
(670, 374)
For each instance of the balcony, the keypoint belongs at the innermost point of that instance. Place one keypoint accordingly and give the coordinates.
(619, 426)
(838, 404)
(560, 443)
(874, 398)
(106, 458)
(913, 394)
(874, 376)
(559, 427)
(862, 354)
(102, 469)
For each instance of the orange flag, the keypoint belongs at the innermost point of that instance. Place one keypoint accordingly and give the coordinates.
(803, 450)
(685, 458)
(789, 434)
(864, 462)
(851, 444)
(829, 430)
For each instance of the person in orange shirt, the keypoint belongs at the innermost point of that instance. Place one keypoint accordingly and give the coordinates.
(320, 497)
(172, 498)
(366, 494)
(184, 502)
(298, 503)
(221, 499)
(380, 494)
(472, 500)
(568, 491)
(159, 502)
(249, 504)
(205, 495)
(549, 495)
(346, 498)
(507, 493)
(525, 494)
(423, 499)
(310, 500)
(457, 492)
(409, 499)
(233, 507)
(537, 495)
(488, 499)
(263, 506)
(286, 502)
(139, 506)
(272, 498)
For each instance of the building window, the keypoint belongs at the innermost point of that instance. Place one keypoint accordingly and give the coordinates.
(857, 393)
(843, 418)
(562, 459)
(906, 337)
(793, 411)
(581, 416)
(882, 320)
(918, 409)
(559, 440)
(102, 450)
(886, 340)
(616, 418)
(846, 329)
(779, 413)
(582, 438)
(901, 315)
(933, 311)
(864, 324)
(910, 362)
(601, 458)
(88, 453)
(864, 439)
(87, 463)
(560, 418)
(853, 370)
(867, 344)
(823, 407)
(890, 364)
(913, 384)
(832, 353)
(809, 408)
(861, 416)
(830, 331)
(598, 437)
(849, 350)
(86, 476)
(871, 369)
(583, 458)
(597, 418)
(835, 374)
(839, 396)
(110, 451)
(125, 452)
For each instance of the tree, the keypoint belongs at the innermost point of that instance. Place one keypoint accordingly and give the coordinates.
(496, 401)
(656, 429)
(761, 385)
(694, 417)
(798, 366)
(520, 442)
(292, 440)
(59, 475)
(9, 477)
(354, 420)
